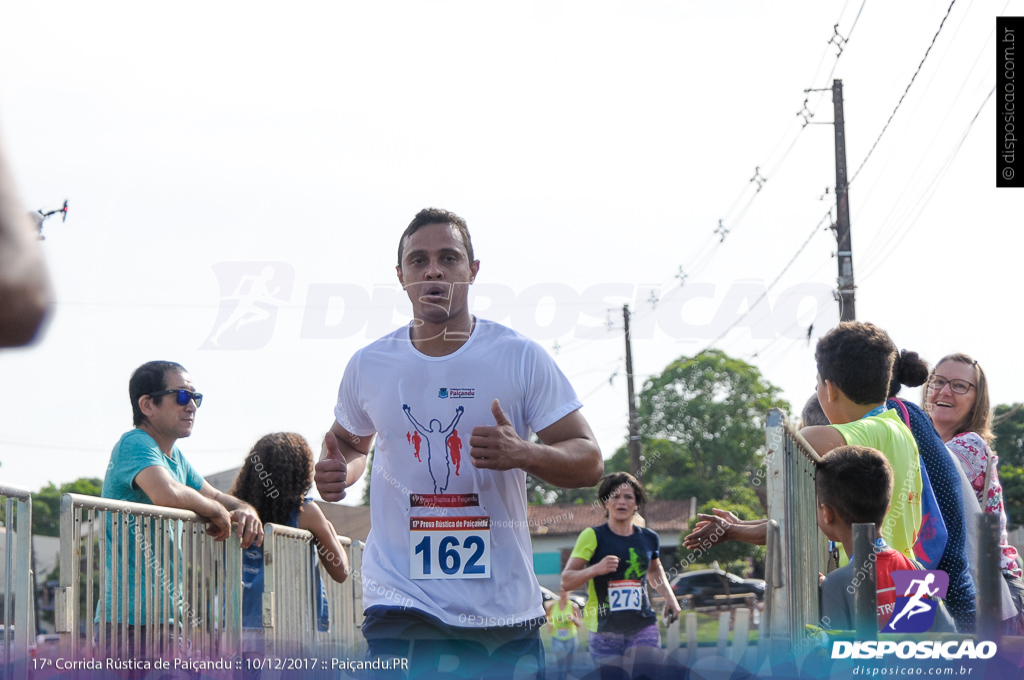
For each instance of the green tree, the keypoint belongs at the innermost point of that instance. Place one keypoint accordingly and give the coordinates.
(46, 503)
(1012, 479)
(539, 492)
(1009, 430)
(1008, 426)
(702, 426)
(732, 556)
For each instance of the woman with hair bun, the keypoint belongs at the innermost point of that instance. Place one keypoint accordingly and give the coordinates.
(957, 400)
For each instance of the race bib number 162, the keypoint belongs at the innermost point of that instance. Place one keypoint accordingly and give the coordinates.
(449, 547)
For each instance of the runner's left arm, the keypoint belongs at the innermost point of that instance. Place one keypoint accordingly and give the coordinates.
(568, 455)
(657, 578)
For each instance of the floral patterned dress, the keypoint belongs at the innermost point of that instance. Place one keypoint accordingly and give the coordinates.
(972, 452)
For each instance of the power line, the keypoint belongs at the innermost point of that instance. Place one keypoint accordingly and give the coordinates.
(893, 114)
(772, 284)
(882, 238)
(933, 185)
(703, 257)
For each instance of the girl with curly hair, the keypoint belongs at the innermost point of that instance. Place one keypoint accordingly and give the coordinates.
(274, 480)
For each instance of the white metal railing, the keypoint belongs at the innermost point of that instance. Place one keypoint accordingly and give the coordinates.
(797, 553)
(17, 577)
(737, 620)
(796, 548)
(186, 587)
(290, 596)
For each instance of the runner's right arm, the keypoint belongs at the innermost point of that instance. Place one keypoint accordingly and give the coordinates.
(577, 572)
(342, 462)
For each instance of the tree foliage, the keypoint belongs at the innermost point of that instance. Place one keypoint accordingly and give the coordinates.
(732, 556)
(46, 503)
(702, 426)
(1009, 445)
(1009, 431)
(539, 492)
(1012, 479)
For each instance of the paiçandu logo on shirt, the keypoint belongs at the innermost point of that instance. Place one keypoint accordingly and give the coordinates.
(456, 393)
(914, 611)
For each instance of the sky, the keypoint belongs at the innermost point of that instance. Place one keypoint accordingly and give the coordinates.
(238, 176)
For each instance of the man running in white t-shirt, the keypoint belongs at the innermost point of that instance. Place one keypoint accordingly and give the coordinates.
(448, 568)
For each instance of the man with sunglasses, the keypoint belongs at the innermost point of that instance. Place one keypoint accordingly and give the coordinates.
(146, 465)
(448, 569)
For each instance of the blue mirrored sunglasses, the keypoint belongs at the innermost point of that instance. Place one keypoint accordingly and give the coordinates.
(184, 396)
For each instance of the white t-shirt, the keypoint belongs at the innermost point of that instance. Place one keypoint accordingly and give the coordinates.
(447, 538)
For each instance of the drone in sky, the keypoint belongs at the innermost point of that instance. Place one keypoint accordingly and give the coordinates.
(39, 217)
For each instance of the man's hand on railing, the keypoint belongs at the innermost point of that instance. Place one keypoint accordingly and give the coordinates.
(250, 528)
(218, 526)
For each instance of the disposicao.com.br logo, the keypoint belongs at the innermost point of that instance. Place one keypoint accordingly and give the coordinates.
(914, 611)
(909, 649)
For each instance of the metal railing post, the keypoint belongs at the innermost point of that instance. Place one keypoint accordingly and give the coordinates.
(796, 551)
(865, 599)
(989, 576)
(17, 582)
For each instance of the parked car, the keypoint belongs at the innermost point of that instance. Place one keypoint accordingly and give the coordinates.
(710, 587)
(549, 595)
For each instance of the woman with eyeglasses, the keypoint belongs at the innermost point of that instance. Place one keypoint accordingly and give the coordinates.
(956, 398)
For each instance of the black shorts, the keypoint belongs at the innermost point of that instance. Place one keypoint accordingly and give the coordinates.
(434, 648)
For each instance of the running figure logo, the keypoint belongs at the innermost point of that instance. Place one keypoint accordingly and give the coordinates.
(250, 295)
(455, 449)
(634, 565)
(915, 609)
(439, 456)
(415, 439)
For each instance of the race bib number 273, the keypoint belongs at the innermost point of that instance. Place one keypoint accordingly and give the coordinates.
(625, 595)
(449, 547)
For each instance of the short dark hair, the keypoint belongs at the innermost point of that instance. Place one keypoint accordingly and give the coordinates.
(857, 482)
(146, 379)
(436, 216)
(812, 413)
(613, 481)
(857, 358)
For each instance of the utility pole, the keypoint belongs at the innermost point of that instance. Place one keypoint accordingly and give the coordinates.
(847, 309)
(634, 435)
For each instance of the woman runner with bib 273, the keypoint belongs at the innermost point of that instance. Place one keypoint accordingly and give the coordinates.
(618, 559)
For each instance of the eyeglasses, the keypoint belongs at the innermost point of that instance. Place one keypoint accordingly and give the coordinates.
(958, 386)
(183, 396)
